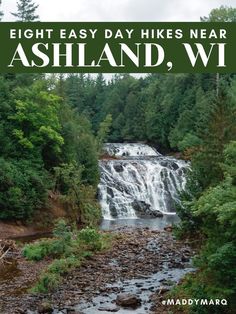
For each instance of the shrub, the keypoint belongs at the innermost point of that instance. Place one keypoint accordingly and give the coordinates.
(59, 245)
(37, 251)
(91, 238)
(47, 281)
(62, 230)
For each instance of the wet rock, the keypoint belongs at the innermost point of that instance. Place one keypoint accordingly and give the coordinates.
(140, 207)
(175, 166)
(157, 214)
(184, 259)
(113, 210)
(128, 300)
(143, 210)
(110, 192)
(118, 168)
(168, 228)
(109, 308)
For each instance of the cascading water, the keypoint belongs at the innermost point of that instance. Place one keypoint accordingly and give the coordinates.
(137, 181)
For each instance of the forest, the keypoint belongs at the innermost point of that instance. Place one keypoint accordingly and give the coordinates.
(52, 128)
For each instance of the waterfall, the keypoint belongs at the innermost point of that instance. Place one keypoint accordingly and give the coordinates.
(129, 149)
(137, 181)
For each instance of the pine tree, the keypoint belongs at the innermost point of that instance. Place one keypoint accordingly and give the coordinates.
(221, 14)
(26, 11)
(1, 13)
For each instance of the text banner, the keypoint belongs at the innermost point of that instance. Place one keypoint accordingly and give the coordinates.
(118, 47)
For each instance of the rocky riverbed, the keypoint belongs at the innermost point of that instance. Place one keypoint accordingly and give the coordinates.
(140, 265)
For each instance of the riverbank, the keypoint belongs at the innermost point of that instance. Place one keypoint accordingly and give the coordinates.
(40, 223)
(11, 230)
(140, 262)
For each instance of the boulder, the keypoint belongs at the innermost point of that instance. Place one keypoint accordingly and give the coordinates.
(118, 168)
(128, 300)
(157, 214)
(143, 210)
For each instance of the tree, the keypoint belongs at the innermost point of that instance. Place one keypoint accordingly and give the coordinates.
(26, 11)
(100, 96)
(103, 131)
(24, 187)
(87, 157)
(217, 209)
(35, 124)
(1, 13)
(221, 14)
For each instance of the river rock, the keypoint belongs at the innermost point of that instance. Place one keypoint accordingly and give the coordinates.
(168, 228)
(45, 307)
(109, 308)
(184, 259)
(128, 300)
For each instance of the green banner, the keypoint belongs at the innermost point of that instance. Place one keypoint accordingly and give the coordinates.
(118, 47)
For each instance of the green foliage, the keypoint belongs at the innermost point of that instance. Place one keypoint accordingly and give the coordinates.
(51, 278)
(68, 247)
(26, 11)
(215, 211)
(67, 181)
(47, 282)
(87, 156)
(23, 188)
(189, 141)
(90, 211)
(38, 250)
(36, 127)
(62, 230)
(91, 238)
(103, 131)
(229, 165)
(222, 14)
(59, 245)
(198, 286)
(80, 145)
(80, 199)
(40, 133)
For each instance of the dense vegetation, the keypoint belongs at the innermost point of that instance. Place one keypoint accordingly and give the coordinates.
(45, 144)
(52, 129)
